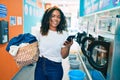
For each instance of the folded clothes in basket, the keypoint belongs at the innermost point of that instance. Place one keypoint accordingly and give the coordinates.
(14, 49)
(21, 38)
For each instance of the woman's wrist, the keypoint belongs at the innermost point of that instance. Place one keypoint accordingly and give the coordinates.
(67, 46)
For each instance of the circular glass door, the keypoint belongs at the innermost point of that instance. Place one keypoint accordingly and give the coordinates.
(99, 55)
(85, 43)
(99, 52)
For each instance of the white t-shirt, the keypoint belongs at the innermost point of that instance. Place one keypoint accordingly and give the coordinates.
(50, 45)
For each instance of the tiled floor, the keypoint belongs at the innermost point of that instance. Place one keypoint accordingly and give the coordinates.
(27, 73)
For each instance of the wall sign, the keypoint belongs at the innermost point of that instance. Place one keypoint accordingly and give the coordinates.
(3, 11)
(12, 20)
(92, 6)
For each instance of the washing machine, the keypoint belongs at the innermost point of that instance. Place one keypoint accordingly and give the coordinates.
(103, 53)
(99, 55)
(80, 36)
(86, 41)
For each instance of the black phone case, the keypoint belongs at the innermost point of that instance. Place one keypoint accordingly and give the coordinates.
(70, 38)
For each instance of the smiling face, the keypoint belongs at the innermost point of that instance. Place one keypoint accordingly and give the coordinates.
(54, 20)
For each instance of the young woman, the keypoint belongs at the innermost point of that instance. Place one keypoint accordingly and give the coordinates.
(53, 45)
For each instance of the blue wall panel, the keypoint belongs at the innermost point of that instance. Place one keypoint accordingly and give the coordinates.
(32, 14)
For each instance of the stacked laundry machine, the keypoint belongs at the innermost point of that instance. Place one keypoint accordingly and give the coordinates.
(101, 50)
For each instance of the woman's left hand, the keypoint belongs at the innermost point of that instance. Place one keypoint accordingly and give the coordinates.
(65, 50)
(68, 43)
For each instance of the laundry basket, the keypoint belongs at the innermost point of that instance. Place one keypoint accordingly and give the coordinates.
(27, 55)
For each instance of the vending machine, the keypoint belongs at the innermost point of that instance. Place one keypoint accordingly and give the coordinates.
(3, 31)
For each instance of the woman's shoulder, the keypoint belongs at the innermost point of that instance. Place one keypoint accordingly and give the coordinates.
(65, 32)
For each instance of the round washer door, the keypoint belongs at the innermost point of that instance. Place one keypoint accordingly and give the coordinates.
(85, 43)
(80, 36)
(99, 51)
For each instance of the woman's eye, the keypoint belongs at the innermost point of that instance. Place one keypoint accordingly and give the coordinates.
(53, 15)
(58, 16)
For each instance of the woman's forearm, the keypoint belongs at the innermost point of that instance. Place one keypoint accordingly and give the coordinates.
(65, 52)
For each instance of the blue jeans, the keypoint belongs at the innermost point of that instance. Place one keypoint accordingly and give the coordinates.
(48, 70)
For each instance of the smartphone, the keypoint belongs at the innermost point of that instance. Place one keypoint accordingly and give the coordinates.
(70, 37)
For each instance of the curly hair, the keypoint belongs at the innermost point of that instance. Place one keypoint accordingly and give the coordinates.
(45, 21)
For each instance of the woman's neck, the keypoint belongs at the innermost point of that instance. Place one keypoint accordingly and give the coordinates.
(53, 29)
